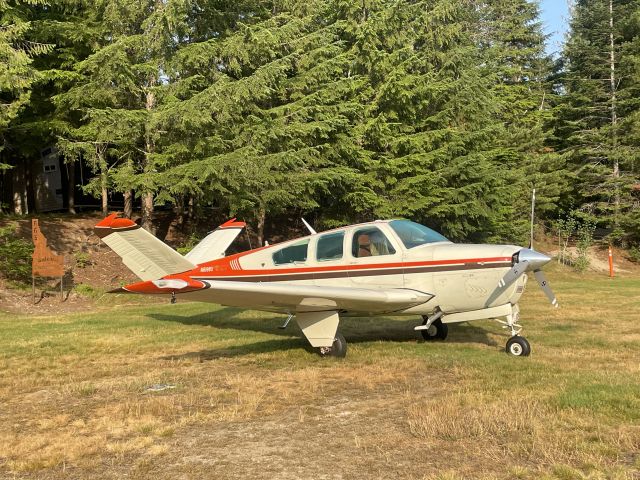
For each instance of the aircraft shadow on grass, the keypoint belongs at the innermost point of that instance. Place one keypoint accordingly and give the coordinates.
(356, 330)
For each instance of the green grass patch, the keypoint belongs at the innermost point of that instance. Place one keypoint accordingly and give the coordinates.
(617, 400)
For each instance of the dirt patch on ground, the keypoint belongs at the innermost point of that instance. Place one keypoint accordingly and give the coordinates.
(598, 257)
(91, 268)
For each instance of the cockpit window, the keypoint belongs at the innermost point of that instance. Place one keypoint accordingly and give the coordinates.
(370, 242)
(413, 234)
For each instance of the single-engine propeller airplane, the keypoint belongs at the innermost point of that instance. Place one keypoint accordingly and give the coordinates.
(386, 267)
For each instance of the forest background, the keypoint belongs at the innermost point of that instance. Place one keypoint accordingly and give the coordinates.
(448, 112)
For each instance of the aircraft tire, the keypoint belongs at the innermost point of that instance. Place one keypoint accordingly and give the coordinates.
(518, 346)
(437, 331)
(339, 348)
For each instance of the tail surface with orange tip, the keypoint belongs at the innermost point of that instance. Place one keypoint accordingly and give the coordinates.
(144, 254)
(214, 245)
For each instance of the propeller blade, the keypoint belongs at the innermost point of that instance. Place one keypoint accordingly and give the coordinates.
(512, 275)
(542, 281)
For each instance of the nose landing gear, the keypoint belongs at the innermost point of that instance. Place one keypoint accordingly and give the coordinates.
(517, 346)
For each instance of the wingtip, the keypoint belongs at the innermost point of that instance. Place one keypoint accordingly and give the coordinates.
(106, 221)
(232, 223)
(113, 222)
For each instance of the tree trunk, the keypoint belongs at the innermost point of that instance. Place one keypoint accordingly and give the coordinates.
(128, 203)
(71, 188)
(147, 211)
(179, 210)
(192, 208)
(260, 229)
(614, 118)
(101, 151)
(104, 192)
(147, 196)
(19, 184)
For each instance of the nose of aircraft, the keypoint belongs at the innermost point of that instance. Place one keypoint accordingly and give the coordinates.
(536, 260)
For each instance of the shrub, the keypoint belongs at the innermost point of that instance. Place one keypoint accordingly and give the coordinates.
(584, 233)
(83, 259)
(87, 290)
(634, 254)
(15, 255)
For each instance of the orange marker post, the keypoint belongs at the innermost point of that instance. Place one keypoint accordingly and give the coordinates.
(610, 261)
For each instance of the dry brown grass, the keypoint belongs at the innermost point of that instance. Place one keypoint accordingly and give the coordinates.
(524, 430)
(115, 418)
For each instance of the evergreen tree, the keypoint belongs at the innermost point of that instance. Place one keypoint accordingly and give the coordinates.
(110, 109)
(17, 51)
(267, 128)
(514, 44)
(362, 110)
(598, 116)
(438, 110)
(431, 119)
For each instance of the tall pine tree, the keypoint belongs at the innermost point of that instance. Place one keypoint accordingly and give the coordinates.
(598, 116)
(514, 45)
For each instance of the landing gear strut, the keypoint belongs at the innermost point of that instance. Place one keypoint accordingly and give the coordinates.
(338, 349)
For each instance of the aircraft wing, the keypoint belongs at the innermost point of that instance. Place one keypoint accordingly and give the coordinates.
(309, 298)
(285, 296)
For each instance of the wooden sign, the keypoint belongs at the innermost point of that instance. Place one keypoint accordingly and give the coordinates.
(45, 263)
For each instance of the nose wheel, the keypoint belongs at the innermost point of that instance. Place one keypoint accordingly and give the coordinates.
(518, 346)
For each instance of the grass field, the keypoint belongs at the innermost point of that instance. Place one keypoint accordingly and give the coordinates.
(251, 401)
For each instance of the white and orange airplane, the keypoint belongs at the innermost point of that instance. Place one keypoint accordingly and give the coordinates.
(390, 267)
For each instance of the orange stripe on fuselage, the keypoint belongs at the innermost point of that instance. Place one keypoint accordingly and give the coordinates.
(222, 267)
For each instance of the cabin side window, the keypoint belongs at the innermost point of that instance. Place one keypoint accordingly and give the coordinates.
(291, 254)
(370, 242)
(330, 247)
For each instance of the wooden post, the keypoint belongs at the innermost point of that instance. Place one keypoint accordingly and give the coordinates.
(610, 262)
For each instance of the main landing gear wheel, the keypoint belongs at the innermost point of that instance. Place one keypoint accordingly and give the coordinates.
(518, 346)
(338, 349)
(436, 331)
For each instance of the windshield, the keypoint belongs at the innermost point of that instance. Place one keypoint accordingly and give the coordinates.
(413, 234)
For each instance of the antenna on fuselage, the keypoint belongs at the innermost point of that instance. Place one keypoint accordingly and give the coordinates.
(309, 227)
(533, 209)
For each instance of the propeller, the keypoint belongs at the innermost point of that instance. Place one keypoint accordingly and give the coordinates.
(544, 285)
(514, 274)
(529, 260)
